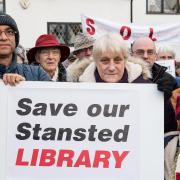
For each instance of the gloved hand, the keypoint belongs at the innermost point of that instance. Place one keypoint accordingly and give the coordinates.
(167, 84)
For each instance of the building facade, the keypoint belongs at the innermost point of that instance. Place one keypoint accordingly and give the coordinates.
(35, 17)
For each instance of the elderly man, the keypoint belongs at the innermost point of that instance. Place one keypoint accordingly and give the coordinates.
(11, 72)
(49, 53)
(83, 46)
(113, 64)
(145, 48)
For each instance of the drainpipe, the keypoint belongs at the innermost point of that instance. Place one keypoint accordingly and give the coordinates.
(131, 11)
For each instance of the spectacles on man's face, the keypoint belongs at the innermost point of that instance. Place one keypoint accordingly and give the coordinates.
(141, 52)
(8, 32)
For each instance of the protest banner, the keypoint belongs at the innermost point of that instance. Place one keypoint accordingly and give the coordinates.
(162, 33)
(74, 131)
(170, 64)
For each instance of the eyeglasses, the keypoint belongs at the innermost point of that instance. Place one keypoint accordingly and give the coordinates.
(8, 32)
(141, 52)
(47, 52)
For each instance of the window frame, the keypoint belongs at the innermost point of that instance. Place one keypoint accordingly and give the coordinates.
(177, 12)
(67, 34)
(3, 3)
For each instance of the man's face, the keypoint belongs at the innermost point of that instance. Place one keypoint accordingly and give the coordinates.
(48, 58)
(111, 67)
(144, 48)
(84, 53)
(7, 40)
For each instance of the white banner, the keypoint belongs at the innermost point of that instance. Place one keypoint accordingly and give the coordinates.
(71, 131)
(168, 33)
(170, 64)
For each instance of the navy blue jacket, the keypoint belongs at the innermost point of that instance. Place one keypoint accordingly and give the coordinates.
(30, 72)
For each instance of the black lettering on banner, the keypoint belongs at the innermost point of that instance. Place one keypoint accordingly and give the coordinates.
(80, 136)
(105, 135)
(113, 112)
(94, 110)
(23, 105)
(70, 110)
(37, 128)
(124, 134)
(41, 109)
(55, 110)
(24, 132)
(92, 131)
(67, 134)
(50, 134)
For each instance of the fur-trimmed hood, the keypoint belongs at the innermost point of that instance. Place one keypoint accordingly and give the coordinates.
(134, 66)
(76, 69)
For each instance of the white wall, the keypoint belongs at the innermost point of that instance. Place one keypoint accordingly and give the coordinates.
(33, 21)
(140, 17)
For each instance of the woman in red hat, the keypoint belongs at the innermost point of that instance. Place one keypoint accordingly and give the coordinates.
(49, 54)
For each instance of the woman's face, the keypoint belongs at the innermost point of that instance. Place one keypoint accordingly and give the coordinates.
(111, 67)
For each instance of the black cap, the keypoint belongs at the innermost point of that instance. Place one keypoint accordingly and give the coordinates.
(6, 19)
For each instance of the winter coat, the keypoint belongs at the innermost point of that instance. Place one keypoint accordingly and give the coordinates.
(76, 69)
(168, 85)
(30, 72)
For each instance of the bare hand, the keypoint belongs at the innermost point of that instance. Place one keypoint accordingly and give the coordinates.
(12, 79)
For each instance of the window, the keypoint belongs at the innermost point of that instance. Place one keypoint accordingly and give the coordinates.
(65, 32)
(163, 6)
(2, 6)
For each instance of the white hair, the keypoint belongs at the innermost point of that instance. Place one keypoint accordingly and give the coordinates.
(164, 48)
(110, 42)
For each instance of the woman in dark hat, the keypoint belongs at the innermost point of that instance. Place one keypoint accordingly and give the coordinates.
(49, 54)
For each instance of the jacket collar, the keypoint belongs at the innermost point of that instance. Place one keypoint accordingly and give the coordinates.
(13, 65)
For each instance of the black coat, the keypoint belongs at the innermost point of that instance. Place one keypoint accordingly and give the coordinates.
(167, 84)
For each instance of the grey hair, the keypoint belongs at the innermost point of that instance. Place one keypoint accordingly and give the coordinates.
(110, 42)
(163, 48)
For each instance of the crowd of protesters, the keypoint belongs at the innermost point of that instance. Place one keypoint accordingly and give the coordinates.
(104, 60)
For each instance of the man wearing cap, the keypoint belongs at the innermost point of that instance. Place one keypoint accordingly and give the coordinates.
(49, 53)
(83, 46)
(11, 72)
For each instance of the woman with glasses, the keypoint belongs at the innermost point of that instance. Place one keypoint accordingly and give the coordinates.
(49, 54)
